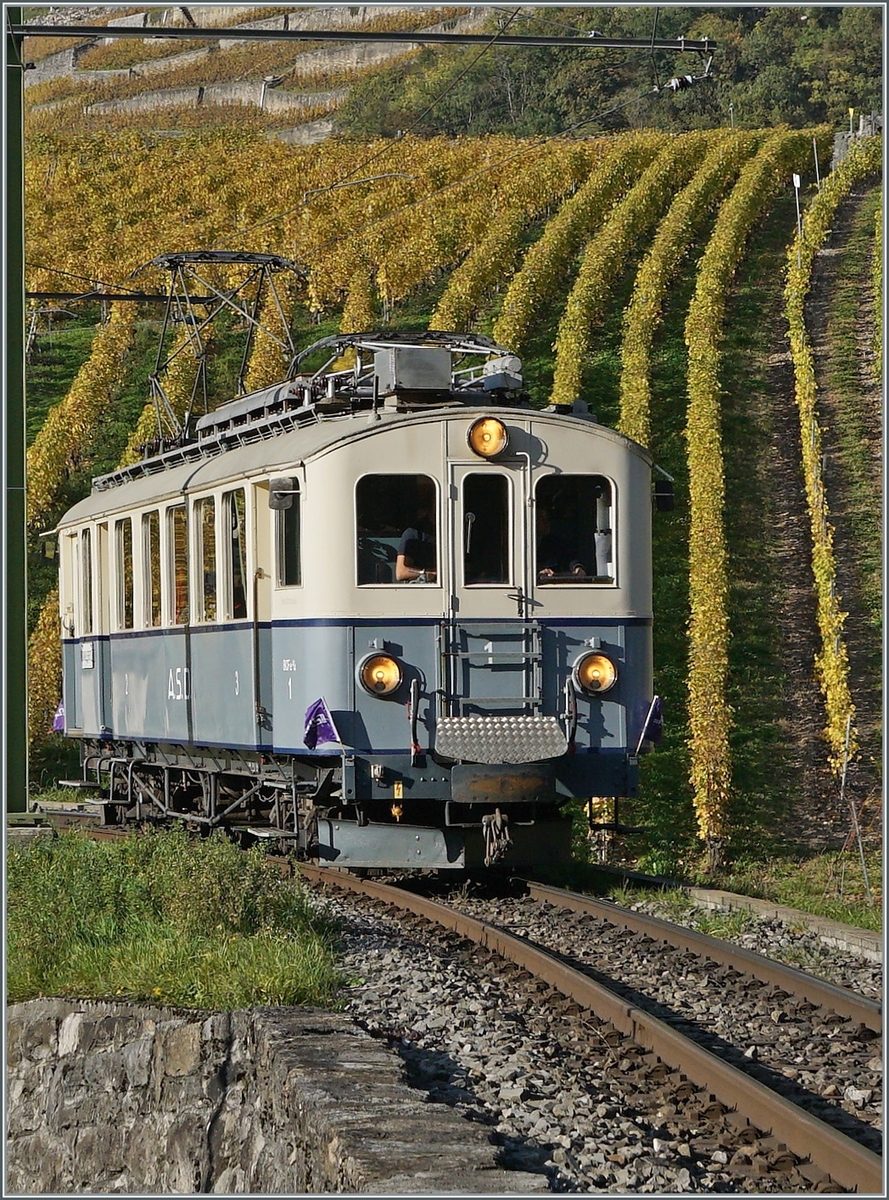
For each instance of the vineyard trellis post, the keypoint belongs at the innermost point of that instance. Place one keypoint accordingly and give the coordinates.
(15, 658)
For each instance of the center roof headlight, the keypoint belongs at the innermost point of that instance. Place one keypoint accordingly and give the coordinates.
(488, 437)
(595, 673)
(380, 674)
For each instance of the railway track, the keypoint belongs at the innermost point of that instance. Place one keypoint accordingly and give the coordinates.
(756, 1128)
(709, 1094)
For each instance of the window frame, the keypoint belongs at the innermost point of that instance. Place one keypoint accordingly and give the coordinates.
(511, 564)
(121, 524)
(281, 516)
(597, 581)
(437, 527)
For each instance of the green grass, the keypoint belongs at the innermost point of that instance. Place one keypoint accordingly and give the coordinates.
(828, 885)
(165, 918)
(767, 787)
(57, 356)
(861, 485)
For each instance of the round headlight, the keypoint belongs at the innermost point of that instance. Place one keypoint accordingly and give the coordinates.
(595, 673)
(380, 675)
(488, 437)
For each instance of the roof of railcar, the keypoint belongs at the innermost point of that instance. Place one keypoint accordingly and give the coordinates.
(167, 476)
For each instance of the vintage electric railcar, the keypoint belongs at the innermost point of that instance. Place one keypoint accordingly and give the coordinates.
(385, 610)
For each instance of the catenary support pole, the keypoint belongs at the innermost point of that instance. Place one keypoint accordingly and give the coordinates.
(15, 658)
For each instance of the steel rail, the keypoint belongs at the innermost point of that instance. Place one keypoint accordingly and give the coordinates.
(817, 991)
(417, 37)
(848, 1164)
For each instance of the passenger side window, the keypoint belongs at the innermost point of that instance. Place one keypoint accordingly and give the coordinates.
(152, 558)
(485, 529)
(86, 579)
(177, 531)
(573, 533)
(125, 585)
(287, 540)
(236, 567)
(205, 523)
(397, 529)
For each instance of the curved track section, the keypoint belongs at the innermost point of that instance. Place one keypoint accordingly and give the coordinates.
(798, 983)
(822, 1151)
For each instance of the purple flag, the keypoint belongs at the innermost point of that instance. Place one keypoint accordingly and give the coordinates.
(653, 729)
(319, 725)
(58, 721)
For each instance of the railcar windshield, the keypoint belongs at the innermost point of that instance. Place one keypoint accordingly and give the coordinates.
(486, 519)
(397, 529)
(573, 530)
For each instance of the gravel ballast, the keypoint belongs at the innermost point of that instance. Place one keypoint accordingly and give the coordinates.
(546, 1078)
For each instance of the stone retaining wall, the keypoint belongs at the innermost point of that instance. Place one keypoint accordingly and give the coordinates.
(121, 1098)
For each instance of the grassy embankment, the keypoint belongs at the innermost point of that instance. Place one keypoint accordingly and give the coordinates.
(165, 918)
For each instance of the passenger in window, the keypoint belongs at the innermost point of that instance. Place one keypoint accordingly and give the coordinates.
(557, 557)
(416, 559)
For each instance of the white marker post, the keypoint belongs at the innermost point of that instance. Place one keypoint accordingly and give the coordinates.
(799, 224)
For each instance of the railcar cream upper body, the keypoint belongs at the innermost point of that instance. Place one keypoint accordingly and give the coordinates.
(326, 463)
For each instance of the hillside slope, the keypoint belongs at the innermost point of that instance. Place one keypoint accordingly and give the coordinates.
(566, 239)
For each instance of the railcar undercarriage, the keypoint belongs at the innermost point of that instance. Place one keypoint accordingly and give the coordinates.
(309, 811)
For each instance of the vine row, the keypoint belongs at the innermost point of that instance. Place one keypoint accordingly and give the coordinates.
(832, 664)
(610, 250)
(671, 243)
(709, 713)
(543, 272)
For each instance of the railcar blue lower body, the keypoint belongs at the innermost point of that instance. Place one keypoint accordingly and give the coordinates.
(470, 760)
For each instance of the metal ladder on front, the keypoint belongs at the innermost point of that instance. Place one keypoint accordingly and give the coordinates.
(469, 671)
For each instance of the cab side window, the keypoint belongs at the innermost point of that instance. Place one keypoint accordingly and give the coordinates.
(86, 579)
(397, 529)
(287, 540)
(573, 534)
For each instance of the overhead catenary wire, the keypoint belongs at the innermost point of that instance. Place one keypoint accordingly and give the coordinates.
(414, 125)
(673, 85)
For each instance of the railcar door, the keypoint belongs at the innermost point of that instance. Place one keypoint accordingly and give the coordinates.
(490, 643)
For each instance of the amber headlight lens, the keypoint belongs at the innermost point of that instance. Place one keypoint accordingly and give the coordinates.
(380, 675)
(488, 437)
(595, 673)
